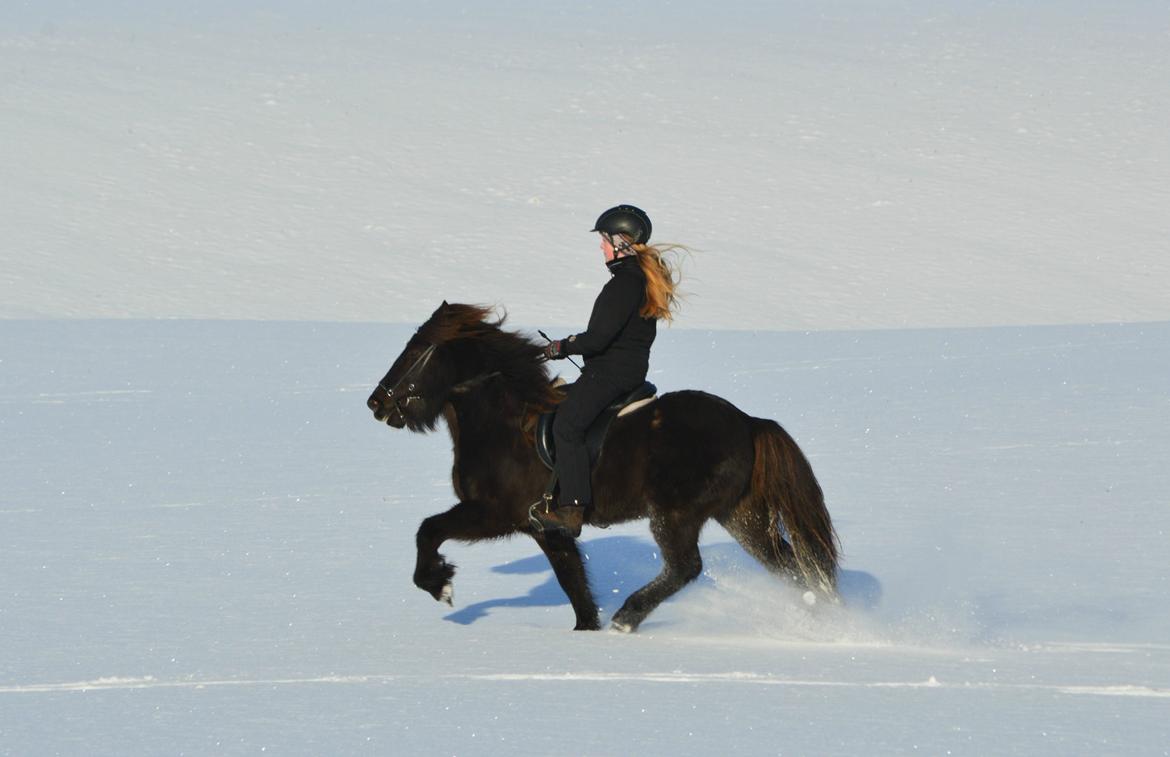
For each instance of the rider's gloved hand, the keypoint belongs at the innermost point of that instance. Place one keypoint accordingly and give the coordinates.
(554, 351)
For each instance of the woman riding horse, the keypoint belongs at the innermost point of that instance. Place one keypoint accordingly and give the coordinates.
(616, 348)
(687, 458)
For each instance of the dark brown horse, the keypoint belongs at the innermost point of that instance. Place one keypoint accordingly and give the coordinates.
(686, 457)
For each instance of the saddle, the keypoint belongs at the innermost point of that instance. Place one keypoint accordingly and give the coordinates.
(546, 445)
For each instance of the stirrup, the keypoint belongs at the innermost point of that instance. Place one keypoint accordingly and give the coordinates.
(564, 519)
(544, 504)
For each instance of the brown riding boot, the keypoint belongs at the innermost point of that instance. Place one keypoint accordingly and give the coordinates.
(564, 518)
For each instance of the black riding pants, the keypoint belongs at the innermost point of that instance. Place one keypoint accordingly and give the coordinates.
(587, 397)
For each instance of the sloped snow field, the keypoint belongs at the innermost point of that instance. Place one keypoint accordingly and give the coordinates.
(931, 241)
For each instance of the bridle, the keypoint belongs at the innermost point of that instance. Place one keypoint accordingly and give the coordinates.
(391, 391)
(402, 401)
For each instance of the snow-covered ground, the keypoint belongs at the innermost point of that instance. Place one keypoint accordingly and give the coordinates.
(931, 242)
(838, 164)
(207, 546)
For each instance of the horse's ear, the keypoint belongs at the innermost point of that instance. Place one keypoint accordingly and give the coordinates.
(444, 305)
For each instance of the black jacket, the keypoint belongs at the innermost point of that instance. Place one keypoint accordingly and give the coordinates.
(617, 342)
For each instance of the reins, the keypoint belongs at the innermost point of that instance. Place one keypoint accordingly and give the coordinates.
(463, 386)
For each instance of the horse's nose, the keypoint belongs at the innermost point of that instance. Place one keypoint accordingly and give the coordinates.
(373, 404)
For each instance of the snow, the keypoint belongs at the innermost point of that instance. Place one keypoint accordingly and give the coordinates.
(930, 241)
(844, 165)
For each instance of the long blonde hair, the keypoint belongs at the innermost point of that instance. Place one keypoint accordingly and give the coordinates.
(662, 279)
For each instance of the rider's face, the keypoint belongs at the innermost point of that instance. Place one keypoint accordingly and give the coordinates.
(606, 248)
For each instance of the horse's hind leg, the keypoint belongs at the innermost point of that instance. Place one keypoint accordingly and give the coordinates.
(681, 564)
(760, 537)
(565, 558)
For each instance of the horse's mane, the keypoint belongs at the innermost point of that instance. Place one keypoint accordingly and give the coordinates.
(510, 353)
(451, 322)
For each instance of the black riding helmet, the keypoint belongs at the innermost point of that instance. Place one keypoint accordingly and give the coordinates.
(625, 219)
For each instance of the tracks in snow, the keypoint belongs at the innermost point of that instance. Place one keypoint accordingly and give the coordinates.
(732, 678)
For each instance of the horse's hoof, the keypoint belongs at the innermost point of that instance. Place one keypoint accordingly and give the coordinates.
(435, 579)
(621, 627)
(447, 594)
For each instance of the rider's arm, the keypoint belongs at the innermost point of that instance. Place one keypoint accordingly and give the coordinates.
(619, 299)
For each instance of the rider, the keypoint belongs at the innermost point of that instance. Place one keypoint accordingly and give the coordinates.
(616, 348)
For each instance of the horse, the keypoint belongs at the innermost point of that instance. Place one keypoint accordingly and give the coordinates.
(685, 458)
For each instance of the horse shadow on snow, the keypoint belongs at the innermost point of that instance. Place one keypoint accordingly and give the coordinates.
(619, 565)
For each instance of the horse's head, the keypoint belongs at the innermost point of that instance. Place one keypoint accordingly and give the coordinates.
(460, 351)
(408, 395)
(418, 384)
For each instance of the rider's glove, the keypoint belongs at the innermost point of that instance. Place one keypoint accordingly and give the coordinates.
(554, 351)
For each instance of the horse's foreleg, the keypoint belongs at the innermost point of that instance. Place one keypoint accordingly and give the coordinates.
(465, 521)
(565, 557)
(681, 564)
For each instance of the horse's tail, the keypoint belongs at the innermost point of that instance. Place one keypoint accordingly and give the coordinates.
(785, 488)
